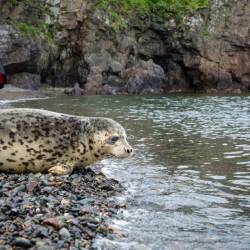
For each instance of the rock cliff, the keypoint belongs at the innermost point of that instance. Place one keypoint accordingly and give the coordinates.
(59, 42)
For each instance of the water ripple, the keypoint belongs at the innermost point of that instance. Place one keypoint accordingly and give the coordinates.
(188, 185)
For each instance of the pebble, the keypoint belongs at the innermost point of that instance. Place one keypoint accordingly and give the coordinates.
(22, 242)
(31, 186)
(41, 211)
(52, 222)
(64, 233)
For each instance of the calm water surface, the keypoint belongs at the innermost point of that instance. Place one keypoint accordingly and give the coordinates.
(188, 185)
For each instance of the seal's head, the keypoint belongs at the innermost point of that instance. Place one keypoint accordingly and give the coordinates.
(110, 138)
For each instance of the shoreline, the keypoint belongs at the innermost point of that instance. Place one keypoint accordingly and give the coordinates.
(13, 94)
(41, 211)
(10, 93)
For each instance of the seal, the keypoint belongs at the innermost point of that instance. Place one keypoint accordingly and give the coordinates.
(33, 140)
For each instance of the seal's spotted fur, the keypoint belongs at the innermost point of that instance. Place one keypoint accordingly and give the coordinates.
(39, 141)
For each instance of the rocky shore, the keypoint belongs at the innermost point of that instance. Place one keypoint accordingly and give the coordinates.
(40, 211)
(10, 93)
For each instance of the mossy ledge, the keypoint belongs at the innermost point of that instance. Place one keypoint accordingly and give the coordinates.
(119, 11)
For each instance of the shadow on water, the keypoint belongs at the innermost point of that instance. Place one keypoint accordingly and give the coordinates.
(188, 185)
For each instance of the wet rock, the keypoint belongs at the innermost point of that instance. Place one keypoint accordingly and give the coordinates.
(19, 189)
(176, 80)
(41, 232)
(99, 59)
(31, 186)
(94, 82)
(52, 222)
(41, 245)
(26, 81)
(92, 226)
(22, 242)
(114, 81)
(54, 212)
(145, 78)
(15, 50)
(13, 212)
(64, 233)
(84, 210)
(6, 247)
(108, 90)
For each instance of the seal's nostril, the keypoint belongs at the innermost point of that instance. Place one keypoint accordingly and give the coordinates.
(129, 151)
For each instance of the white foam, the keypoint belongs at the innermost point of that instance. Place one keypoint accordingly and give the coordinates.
(22, 100)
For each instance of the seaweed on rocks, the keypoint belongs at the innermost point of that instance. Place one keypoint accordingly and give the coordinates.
(40, 211)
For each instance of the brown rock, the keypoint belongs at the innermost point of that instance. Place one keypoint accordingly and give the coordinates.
(52, 222)
(26, 81)
(145, 78)
(31, 186)
(94, 82)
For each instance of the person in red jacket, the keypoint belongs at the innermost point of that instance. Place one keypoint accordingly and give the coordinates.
(3, 79)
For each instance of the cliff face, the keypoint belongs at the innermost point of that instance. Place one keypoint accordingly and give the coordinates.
(210, 52)
(216, 53)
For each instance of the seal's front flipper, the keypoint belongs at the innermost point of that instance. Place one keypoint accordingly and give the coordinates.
(61, 170)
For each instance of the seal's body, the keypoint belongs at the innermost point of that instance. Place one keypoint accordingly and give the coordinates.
(33, 140)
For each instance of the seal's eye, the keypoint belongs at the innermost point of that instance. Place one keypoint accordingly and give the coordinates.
(113, 139)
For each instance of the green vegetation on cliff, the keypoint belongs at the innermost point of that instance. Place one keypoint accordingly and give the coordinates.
(32, 24)
(177, 9)
(34, 30)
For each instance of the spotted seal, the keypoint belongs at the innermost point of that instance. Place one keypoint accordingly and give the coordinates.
(33, 140)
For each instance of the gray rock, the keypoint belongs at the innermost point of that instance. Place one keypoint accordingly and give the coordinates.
(108, 90)
(94, 82)
(40, 245)
(72, 13)
(13, 48)
(26, 81)
(64, 233)
(145, 78)
(22, 242)
(115, 81)
(101, 60)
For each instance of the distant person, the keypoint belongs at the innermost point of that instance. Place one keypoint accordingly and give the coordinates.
(75, 91)
(3, 78)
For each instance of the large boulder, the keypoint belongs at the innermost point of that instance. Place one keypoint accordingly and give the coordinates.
(72, 12)
(94, 82)
(176, 80)
(25, 81)
(100, 59)
(16, 52)
(146, 77)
